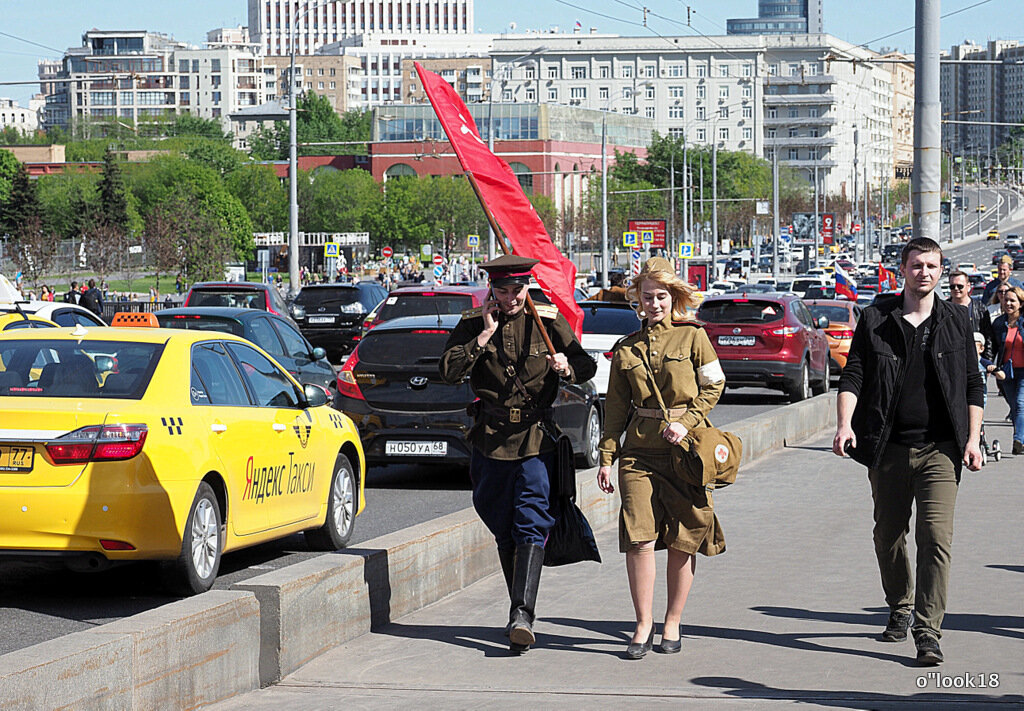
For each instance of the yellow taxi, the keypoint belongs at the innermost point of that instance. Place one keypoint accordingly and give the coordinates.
(170, 445)
(992, 234)
(17, 320)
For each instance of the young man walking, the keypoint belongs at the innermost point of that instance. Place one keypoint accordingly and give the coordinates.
(910, 406)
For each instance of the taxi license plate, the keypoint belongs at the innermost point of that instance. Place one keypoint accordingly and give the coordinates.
(320, 319)
(735, 340)
(423, 449)
(17, 458)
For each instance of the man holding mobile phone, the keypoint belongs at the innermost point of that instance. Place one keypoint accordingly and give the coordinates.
(500, 346)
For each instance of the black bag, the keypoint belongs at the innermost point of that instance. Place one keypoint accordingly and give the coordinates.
(563, 478)
(571, 540)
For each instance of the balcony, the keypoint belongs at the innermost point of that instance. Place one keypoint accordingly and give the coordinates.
(805, 163)
(800, 79)
(801, 121)
(800, 141)
(798, 99)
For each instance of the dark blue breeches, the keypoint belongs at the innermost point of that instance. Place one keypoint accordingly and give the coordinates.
(512, 497)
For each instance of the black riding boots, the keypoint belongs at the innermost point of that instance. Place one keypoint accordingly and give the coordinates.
(525, 581)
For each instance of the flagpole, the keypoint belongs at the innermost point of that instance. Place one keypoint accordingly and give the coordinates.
(499, 238)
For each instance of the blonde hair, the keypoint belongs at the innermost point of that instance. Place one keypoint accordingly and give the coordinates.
(660, 272)
(1019, 293)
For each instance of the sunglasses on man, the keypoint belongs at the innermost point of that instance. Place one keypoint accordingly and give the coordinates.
(957, 287)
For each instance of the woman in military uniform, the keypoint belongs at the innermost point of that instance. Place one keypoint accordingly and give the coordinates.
(658, 509)
(501, 348)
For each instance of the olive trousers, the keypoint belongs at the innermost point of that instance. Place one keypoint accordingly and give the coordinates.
(929, 476)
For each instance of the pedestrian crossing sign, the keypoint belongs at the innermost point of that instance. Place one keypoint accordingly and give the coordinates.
(330, 249)
(474, 240)
(646, 236)
(629, 239)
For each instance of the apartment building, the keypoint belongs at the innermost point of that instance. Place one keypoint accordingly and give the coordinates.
(25, 120)
(132, 76)
(338, 77)
(982, 86)
(752, 93)
(469, 76)
(903, 74)
(318, 23)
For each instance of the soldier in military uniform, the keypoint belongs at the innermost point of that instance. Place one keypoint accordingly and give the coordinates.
(500, 347)
(658, 509)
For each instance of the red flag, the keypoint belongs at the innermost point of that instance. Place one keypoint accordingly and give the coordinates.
(501, 192)
(886, 278)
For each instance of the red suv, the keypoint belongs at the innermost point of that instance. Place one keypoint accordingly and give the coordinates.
(768, 340)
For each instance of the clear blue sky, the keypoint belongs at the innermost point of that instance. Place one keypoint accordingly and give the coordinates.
(58, 24)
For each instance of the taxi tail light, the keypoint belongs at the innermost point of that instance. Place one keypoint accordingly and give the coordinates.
(109, 545)
(347, 385)
(98, 443)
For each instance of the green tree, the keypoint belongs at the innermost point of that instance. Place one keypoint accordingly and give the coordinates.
(216, 154)
(339, 201)
(113, 198)
(316, 121)
(8, 167)
(22, 203)
(155, 181)
(69, 202)
(185, 235)
(190, 125)
(263, 196)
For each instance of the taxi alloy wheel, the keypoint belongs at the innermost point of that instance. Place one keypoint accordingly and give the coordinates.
(341, 510)
(196, 567)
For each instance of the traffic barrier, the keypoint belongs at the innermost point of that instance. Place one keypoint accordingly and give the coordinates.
(185, 654)
(207, 648)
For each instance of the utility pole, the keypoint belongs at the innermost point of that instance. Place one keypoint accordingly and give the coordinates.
(671, 237)
(714, 203)
(775, 213)
(604, 201)
(926, 182)
(817, 220)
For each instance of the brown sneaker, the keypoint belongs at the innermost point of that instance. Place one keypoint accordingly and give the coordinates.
(896, 630)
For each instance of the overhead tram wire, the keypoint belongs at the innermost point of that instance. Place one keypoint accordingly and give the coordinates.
(911, 28)
(28, 41)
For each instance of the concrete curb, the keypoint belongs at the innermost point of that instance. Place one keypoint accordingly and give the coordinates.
(205, 649)
(182, 655)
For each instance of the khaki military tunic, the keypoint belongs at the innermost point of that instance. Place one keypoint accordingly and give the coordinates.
(494, 432)
(657, 506)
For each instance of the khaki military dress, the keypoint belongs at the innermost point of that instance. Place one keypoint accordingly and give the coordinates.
(656, 505)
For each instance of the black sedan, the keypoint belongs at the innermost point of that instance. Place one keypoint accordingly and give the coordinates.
(274, 334)
(391, 388)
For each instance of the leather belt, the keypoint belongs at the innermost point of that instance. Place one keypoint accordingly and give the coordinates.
(515, 415)
(655, 413)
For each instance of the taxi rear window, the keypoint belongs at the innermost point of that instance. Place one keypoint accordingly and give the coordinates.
(61, 368)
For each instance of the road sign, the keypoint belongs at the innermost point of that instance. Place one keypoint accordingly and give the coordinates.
(856, 227)
(331, 249)
(686, 250)
(135, 249)
(438, 271)
(438, 259)
(761, 207)
(474, 240)
(646, 236)
(387, 252)
(635, 256)
(657, 227)
(629, 239)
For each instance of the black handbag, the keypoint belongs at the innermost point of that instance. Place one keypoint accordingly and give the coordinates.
(571, 540)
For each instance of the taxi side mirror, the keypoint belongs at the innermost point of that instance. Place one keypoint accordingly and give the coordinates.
(316, 396)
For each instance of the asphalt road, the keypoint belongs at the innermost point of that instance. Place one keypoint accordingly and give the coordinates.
(38, 604)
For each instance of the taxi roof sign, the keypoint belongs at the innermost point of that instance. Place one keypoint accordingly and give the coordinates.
(133, 319)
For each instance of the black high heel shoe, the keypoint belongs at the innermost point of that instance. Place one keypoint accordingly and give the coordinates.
(670, 646)
(637, 650)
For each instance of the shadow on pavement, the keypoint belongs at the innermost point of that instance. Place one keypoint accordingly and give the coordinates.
(1002, 625)
(933, 701)
(1011, 568)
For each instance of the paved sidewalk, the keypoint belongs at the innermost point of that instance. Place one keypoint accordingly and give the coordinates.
(790, 614)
